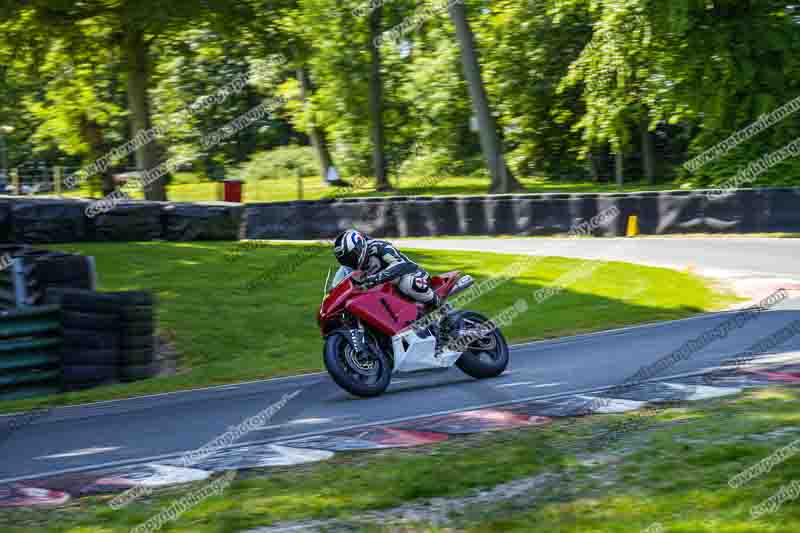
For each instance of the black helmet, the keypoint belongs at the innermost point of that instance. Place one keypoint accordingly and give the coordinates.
(350, 249)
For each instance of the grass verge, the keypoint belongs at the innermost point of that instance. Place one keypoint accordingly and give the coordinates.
(242, 312)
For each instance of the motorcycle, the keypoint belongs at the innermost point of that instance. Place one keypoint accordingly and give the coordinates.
(373, 333)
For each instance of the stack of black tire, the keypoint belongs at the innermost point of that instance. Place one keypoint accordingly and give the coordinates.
(90, 328)
(138, 341)
(59, 270)
(108, 336)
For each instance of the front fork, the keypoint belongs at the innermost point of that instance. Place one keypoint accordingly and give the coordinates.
(356, 338)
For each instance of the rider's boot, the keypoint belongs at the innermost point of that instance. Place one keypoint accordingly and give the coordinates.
(441, 326)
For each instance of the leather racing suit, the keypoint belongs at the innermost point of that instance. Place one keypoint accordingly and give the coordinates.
(384, 263)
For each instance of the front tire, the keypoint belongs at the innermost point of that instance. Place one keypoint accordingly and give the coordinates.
(357, 373)
(486, 357)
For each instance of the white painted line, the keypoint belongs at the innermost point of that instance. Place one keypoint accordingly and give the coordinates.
(312, 420)
(158, 476)
(532, 384)
(518, 384)
(79, 453)
(759, 361)
(610, 406)
(302, 421)
(704, 392)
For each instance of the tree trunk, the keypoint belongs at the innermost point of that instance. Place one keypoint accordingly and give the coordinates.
(591, 164)
(503, 180)
(376, 103)
(316, 135)
(136, 52)
(92, 133)
(648, 153)
(619, 168)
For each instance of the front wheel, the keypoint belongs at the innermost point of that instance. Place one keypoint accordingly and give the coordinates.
(359, 373)
(487, 356)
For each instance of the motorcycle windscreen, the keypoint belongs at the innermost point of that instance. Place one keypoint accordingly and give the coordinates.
(383, 311)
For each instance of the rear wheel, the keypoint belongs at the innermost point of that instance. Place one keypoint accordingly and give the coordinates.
(359, 373)
(486, 357)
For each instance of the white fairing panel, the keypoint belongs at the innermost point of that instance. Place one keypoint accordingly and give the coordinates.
(412, 352)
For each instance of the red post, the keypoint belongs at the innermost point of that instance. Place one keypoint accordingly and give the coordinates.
(233, 191)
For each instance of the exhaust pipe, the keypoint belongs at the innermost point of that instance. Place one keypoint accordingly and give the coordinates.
(463, 283)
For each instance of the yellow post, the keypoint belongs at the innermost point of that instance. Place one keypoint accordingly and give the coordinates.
(633, 226)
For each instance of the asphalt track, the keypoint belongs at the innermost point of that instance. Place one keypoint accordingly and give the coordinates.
(715, 255)
(72, 439)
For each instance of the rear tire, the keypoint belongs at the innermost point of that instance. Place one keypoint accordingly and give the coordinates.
(359, 381)
(481, 362)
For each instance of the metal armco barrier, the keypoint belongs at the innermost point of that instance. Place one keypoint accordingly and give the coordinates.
(662, 212)
(30, 360)
(47, 220)
(130, 222)
(658, 213)
(783, 206)
(201, 222)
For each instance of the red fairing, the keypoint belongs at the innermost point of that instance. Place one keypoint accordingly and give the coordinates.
(333, 305)
(383, 308)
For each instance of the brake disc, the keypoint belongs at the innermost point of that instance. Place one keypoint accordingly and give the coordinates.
(361, 362)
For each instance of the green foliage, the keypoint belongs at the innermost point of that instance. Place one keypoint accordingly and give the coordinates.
(281, 162)
(565, 78)
(441, 163)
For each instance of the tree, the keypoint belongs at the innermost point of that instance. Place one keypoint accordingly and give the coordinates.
(315, 133)
(376, 101)
(133, 26)
(502, 179)
(284, 31)
(76, 105)
(136, 50)
(524, 64)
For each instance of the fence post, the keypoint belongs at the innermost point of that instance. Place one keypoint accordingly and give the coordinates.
(57, 175)
(15, 180)
(299, 188)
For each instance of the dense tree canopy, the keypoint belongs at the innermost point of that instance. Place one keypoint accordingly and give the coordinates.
(566, 89)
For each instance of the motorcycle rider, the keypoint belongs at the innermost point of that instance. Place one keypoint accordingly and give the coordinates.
(382, 262)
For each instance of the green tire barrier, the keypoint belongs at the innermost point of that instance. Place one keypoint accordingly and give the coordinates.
(30, 357)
